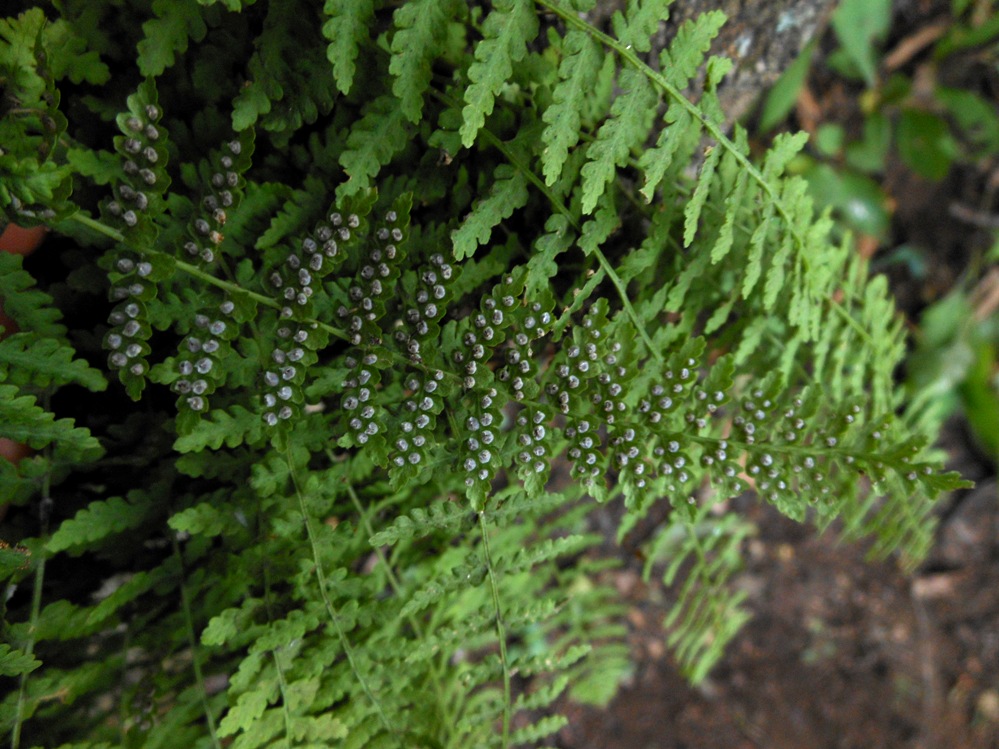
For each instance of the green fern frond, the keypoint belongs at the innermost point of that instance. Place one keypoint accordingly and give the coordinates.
(31, 309)
(420, 37)
(506, 31)
(26, 359)
(232, 427)
(23, 420)
(346, 30)
(684, 56)
(378, 136)
(628, 126)
(508, 193)
(168, 33)
(563, 117)
(101, 519)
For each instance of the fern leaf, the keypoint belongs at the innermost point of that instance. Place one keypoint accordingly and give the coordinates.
(542, 266)
(706, 611)
(726, 234)
(467, 575)
(101, 519)
(509, 192)
(420, 522)
(577, 76)
(373, 141)
(232, 624)
(137, 585)
(346, 30)
(638, 24)
(16, 662)
(203, 519)
(545, 551)
(655, 162)
(775, 276)
(233, 428)
(684, 56)
(298, 211)
(692, 212)
(24, 359)
(538, 730)
(167, 34)
(421, 31)
(598, 229)
(506, 31)
(627, 128)
(31, 309)
(23, 420)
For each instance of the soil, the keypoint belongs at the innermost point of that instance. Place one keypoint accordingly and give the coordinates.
(843, 652)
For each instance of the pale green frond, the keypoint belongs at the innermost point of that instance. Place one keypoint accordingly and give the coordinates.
(506, 31)
(627, 127)
(563, 117)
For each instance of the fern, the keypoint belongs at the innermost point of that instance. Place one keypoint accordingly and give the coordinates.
(168, 34)
(346, 30)
(393, 327)
(506, 31)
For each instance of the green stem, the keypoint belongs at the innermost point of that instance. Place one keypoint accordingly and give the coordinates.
(282, 680)
(36, 595)
(192, 640)
(330, 608)
(500, 630)
(29, 649)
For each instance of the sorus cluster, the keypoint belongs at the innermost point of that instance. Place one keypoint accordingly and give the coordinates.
(361, 416)
(417, 420)
(376, 274)
(143, 166)
(479, 456)
(222, 195)
(126, 340)
(283, 378)
(487, 331)
(533, 438)
(426, 307)
(199, 356)
(531, 322)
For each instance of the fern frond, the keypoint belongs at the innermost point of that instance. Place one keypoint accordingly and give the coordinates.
(420, 36)
(167, 34)
(506, 31)
(23, 420)
(101, 519)
(684, 56)
(33, 310)
(422, 522)
(27, 359)
(374, 140)
(346, 30)
(542, 267)
(577, 74)
(678, 137)
(707, 614)
(508, 193)
(628, 126)
(232, 427)
(15, 662)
